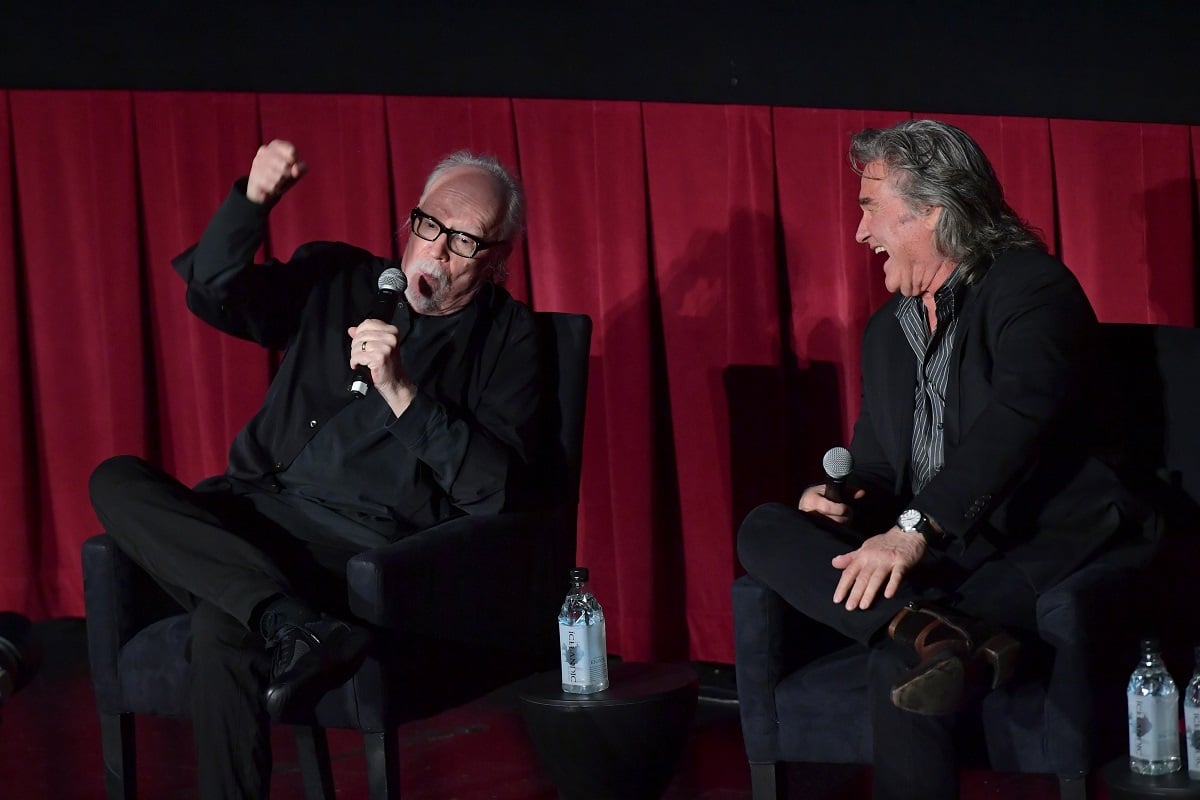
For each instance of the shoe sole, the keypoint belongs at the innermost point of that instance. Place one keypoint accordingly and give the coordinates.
(933, 689)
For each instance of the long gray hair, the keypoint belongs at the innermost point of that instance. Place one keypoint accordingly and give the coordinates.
(936, 164)
(513, 221)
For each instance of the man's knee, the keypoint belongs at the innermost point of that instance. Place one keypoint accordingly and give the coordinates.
(110, 479)
(758, 532)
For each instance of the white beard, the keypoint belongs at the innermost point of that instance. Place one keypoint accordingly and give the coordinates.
(439, 278)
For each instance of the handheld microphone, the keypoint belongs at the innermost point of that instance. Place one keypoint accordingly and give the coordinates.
(392, 284)
(838, 464)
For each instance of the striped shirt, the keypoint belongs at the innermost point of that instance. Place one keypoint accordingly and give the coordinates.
(933, 351)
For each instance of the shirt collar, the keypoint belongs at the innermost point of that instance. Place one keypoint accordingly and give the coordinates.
(947, 299)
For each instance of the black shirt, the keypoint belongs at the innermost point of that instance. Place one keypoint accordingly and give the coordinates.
(462, 446)
(346, 466)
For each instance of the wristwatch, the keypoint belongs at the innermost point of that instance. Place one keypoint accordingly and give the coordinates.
(913, 521)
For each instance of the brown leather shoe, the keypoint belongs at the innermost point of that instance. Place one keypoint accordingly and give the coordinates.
(959, 657)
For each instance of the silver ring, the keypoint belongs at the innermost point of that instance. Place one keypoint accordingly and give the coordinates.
(364, 346)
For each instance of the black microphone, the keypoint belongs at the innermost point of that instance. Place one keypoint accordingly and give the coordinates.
(838, 464)
(392, 284)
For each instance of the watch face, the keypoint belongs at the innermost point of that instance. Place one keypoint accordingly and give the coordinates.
(909, 519)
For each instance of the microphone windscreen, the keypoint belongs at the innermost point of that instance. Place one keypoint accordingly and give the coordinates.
(392, 280)
(838, 463)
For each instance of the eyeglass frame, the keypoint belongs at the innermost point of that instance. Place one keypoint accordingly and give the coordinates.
(480, 244)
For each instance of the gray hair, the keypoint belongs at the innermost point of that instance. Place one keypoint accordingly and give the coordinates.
(936, 164)
(513, 220)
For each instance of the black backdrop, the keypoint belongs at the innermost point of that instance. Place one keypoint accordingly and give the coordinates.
(1091, 60)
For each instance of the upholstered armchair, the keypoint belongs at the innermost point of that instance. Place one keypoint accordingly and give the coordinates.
(444, 601)
(803, 689)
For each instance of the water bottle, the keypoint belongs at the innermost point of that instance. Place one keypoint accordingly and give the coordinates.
(581, 639)
(1191, 721)
(1153, 716)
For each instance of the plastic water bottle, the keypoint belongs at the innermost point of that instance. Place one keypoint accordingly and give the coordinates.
(1153, 716)
(1191, 720)
(581, 639)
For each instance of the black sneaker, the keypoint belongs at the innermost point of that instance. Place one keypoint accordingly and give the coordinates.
(310, 659)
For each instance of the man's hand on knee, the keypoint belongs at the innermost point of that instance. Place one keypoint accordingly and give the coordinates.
(881, 561)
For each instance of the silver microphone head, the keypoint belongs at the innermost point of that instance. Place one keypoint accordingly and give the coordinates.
(838, 463)
(393, 280)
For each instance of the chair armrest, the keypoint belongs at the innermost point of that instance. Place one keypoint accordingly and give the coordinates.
(771, 641)
(492, 579)
(119, 600)
(758, 644)
(1084, 618)
(1086, 608)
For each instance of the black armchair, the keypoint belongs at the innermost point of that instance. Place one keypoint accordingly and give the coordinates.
(803, 692)
(484, 584)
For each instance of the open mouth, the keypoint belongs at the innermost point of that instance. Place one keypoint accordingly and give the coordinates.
(430, 283)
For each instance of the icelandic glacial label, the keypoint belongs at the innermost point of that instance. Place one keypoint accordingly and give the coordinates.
(1153, 727)
(584, 659)
(1191, 719)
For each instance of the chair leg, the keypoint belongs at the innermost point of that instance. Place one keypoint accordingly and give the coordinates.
(383, 764)
(312, 750)
(765, 783)
(1072, 787)
(118, 744)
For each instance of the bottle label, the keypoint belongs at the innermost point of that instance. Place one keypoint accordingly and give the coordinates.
(1153, 727)
(1191, 721)
(584, 654)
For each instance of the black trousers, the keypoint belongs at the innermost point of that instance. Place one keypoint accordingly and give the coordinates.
(790, 551)
(221, 552)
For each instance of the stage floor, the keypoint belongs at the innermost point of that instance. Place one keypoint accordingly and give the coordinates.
(50, 750)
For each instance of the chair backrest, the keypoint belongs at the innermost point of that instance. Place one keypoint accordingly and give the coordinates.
(1147, 406)
(566, 341)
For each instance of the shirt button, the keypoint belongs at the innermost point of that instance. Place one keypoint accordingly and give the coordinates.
(278, 466)
(312, 423)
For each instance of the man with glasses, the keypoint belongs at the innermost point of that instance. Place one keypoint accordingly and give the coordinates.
(258, 555)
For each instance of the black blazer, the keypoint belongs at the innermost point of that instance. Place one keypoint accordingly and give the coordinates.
(1017, 476)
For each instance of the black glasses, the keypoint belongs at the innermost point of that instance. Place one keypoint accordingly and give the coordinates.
(459, 243)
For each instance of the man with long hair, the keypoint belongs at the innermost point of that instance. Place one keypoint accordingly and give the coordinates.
(973, 491)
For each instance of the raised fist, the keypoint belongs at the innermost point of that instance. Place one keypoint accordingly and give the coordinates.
(275, 169)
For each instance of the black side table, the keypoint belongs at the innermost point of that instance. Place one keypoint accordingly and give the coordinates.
(1125, 785)
(620, 744)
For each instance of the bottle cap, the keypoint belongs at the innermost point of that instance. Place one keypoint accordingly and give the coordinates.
(1149, 645)
(579, 574)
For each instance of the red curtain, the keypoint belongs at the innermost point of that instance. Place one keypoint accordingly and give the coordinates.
(712, 246)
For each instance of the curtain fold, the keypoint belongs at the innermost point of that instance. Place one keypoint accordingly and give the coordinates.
(19, 543)
(205, 385)
(83, 328)
(712, 207)
(584, 172)
(1125, 202)
(713, 246)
